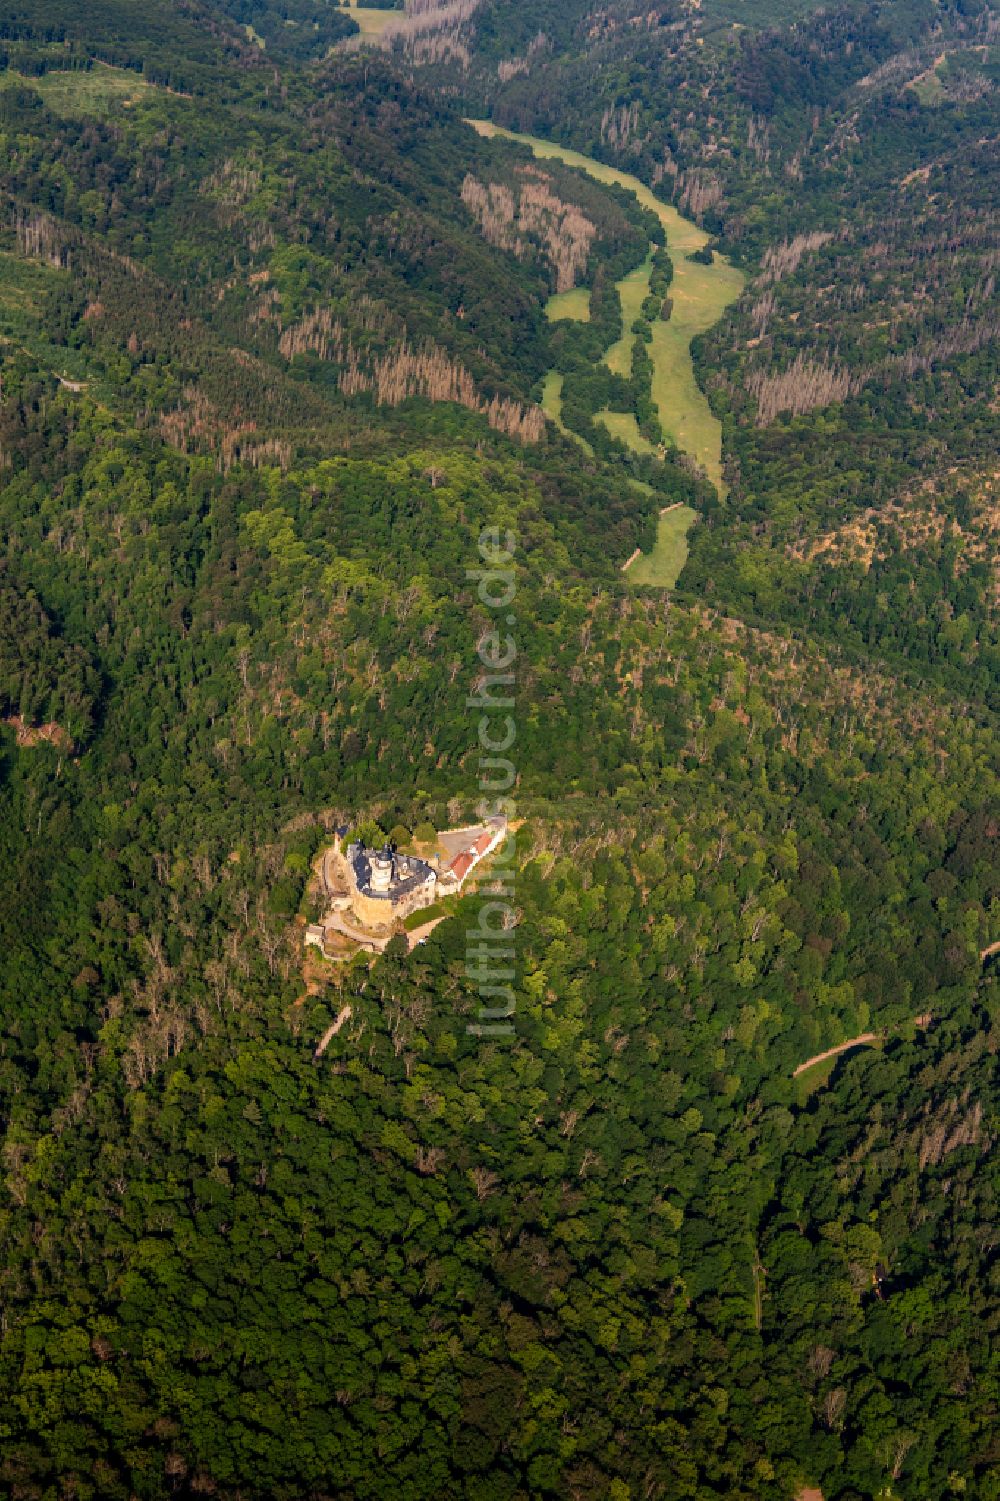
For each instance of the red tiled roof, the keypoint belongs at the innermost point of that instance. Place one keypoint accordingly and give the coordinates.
(461, 865)
(483, 843)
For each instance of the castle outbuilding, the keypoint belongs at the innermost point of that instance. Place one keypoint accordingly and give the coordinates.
(482, 840)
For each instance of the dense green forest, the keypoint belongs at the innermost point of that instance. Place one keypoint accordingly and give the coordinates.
(272, 338)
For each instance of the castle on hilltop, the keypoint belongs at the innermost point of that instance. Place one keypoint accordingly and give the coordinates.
(386, 885)
(375, 889)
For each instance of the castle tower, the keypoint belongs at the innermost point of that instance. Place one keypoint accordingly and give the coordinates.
(381, 878)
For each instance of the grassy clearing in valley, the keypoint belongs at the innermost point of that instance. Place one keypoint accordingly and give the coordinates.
(928, 87)
(660, 569)
(632, 291)
(700, 293)
(551, 405)
(573, 304)
(101, 90)
(373, 22)
(623, 426)
(24, 285)
(683, 235)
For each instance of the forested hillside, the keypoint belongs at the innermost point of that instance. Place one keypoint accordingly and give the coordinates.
(274, 331)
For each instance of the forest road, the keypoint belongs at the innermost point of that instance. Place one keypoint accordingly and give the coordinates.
(924, 1020)
(842, 1047)
(344, 1015)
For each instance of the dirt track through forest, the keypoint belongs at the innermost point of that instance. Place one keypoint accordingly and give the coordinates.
(842, 1047)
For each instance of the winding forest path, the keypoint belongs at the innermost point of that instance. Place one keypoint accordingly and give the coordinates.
(842, 1047)
(921, 1021)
